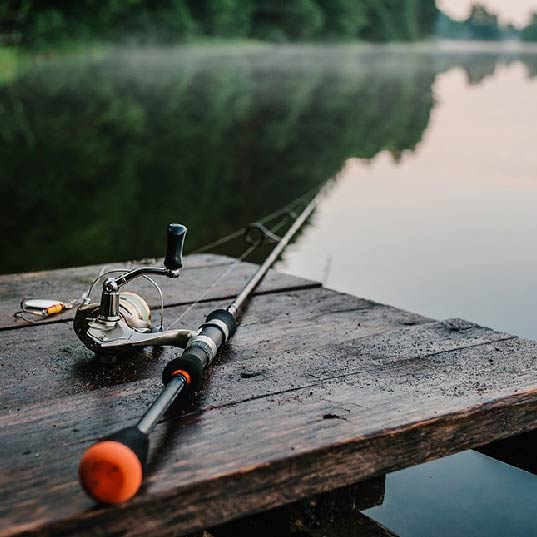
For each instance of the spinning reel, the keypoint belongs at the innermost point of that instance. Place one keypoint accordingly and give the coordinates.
(121, 322)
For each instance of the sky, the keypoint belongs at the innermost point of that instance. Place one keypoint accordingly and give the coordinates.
(516, 11)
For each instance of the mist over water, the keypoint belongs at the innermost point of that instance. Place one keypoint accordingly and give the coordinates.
(431, 205)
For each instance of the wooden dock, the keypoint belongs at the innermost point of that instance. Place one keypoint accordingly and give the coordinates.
(317, 390)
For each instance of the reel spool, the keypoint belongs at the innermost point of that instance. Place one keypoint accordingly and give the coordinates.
(135, 311)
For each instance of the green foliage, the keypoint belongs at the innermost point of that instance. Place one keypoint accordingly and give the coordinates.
(383, 19)
(426, 15)
(12, 63)
(279, 20)
(166, 21)
(529, 33)
(52, 22)
(481, 24)
(343, 18)
(41, 23)
(407, 20)
(223, 18)
(46, 26)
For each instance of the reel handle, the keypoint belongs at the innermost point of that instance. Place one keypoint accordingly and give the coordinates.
(175, 240)
(111, 470)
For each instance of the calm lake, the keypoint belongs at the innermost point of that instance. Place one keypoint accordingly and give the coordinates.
(432, 160)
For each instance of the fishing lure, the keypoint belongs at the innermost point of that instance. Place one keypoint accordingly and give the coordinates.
(41, 308)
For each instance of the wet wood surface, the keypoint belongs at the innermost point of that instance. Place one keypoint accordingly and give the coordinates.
(316, 391)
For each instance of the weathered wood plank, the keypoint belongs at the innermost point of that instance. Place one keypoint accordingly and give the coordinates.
(260, 482)
(53, 355)
(290, 411)
(200, 271)
(360, 525)
(335, 513)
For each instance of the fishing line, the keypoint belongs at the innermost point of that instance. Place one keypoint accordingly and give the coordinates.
(285, 209)
(224, 274)
(60, 306)
(267, 218)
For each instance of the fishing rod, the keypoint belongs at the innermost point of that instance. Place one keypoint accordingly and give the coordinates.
(111, 470)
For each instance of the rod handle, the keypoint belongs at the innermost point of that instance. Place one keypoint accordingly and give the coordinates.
(111, 470)
(191, 364)
(174, 248)
(218, 327)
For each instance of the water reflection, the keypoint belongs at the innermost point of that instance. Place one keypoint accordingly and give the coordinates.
(98, 154)
(448, 231)
(466, 494)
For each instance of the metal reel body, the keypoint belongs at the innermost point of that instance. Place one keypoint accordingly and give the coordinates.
(97, 335)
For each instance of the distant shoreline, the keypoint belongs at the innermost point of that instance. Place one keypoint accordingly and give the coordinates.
(13, 58)
(435, 43)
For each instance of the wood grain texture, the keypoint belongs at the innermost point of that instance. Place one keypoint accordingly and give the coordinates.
(54, 355)
(317, 390)
(199, 273)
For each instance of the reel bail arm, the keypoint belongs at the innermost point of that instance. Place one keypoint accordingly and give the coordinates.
(173, 262)
(122, 320)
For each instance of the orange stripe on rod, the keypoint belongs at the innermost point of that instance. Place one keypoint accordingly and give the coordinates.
(183, 373)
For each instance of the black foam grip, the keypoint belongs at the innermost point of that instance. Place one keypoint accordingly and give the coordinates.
(197, 357)
(174, 251)
(225, 317)
(192, 361)
(134, 439)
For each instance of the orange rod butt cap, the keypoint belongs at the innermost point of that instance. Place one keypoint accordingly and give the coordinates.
(110, 472)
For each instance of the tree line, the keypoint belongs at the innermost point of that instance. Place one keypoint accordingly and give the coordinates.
(483, 24)
(41, 22)
(529, 33)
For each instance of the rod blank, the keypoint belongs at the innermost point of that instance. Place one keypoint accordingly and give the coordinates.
(161, 404)
(235, 307)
